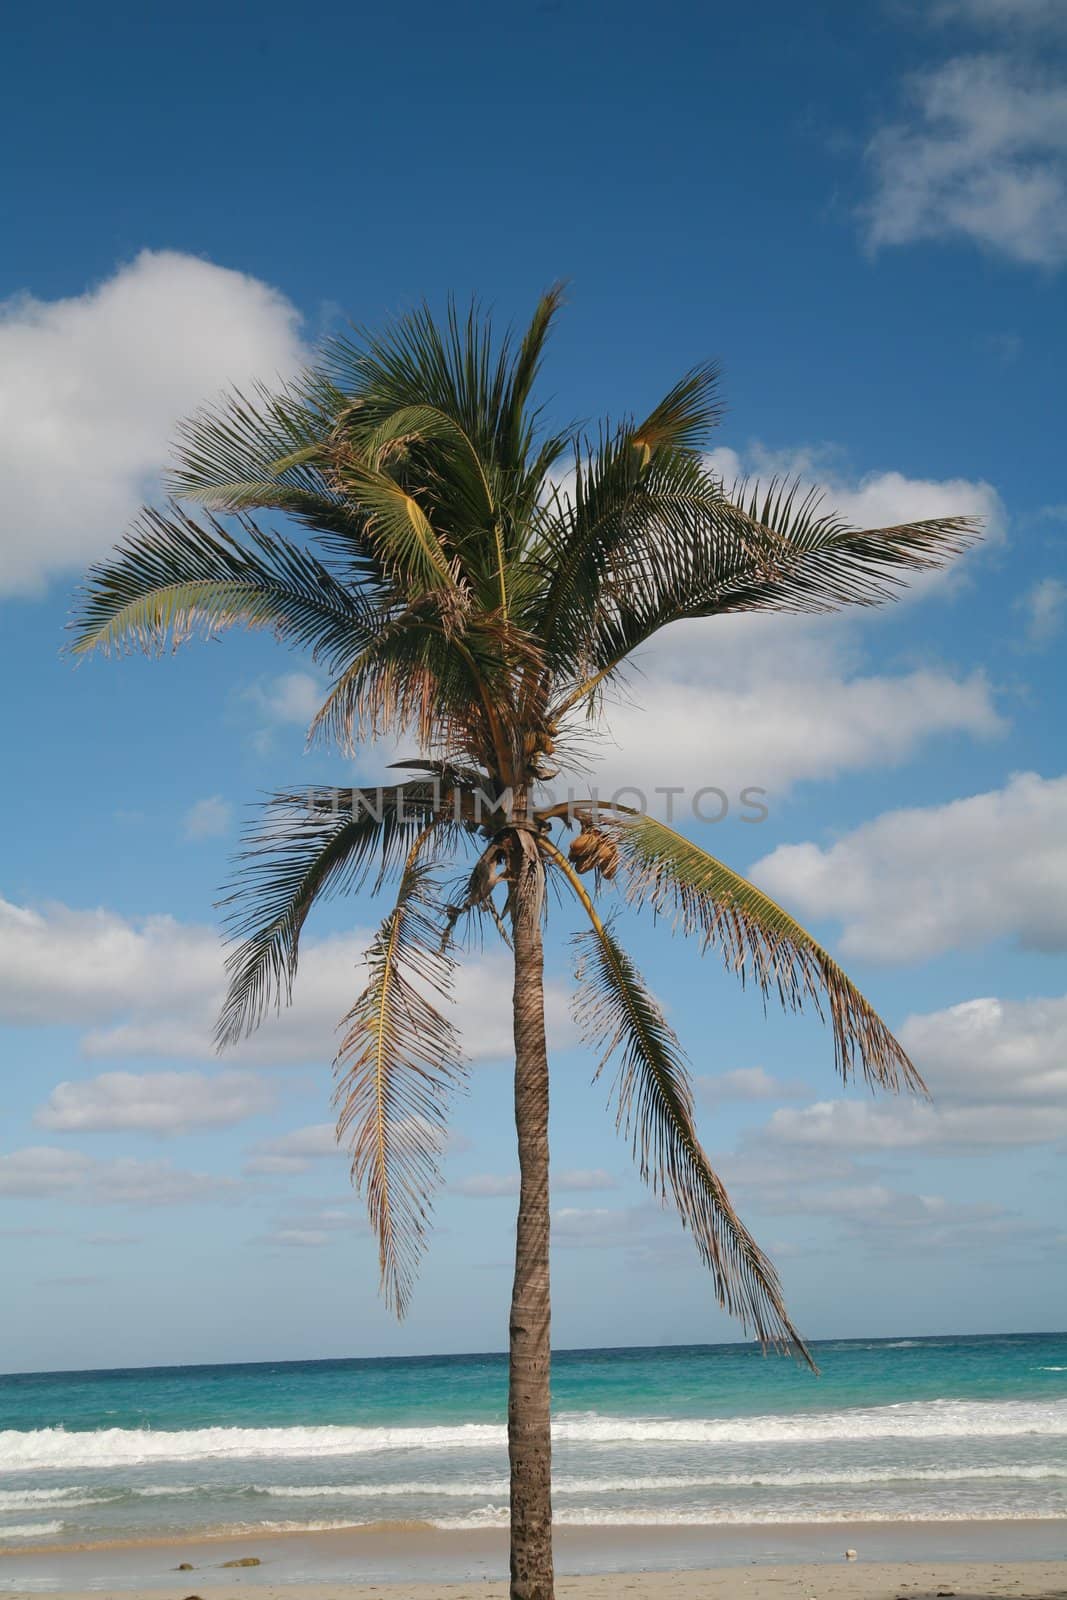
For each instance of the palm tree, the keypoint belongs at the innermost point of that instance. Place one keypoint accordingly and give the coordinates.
(475, 581)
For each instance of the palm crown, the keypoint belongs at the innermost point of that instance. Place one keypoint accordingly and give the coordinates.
(477, 581)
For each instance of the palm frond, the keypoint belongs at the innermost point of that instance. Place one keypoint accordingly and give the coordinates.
(653, 1098)
(685, 417)
(757, 939)
(516, 422)
(399, 530)
(621, 500)
(304, 848)
(690, 551)
(273, 437)
(812, 560)
(397, 1067)
(173, 578)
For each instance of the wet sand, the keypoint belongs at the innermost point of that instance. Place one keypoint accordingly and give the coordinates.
(1031, 1580)
(896, 1561)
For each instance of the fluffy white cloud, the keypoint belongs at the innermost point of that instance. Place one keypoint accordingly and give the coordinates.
(293, 1152)
(44, 1172)
(993, 1052)
(997, 1071)
(291, 697)
(209, 818)
(155, 1102)
(983, 156)
(486, 1185)
(916, 882)
(1044, 608)
(58, 964)
(880, 499)
(886, 1221)
(300, 1238)
(746, 1083)
(315, 1227)
(91, 387)
(152, 987)
(648, 1233)
(865, 1126)
(769, 701)
(577, 1180)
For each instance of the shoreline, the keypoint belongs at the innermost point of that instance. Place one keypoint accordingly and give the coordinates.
(851, 1530)
(754, 1532)
(737, 1562)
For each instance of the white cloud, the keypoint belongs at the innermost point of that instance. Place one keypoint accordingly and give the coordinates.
(313, 1226)
(993, 1052)
(648, 1232)
(300, 1238)
(294, 1152)
(152, 987)
(997, 1072)
(44, 1172)
(880, 499)
(155, 1102)
(486, 1185)
(209, 818)
(60, 965)
(770, 701)
(887, 1221)
(291, 697)
(91, 387)
(914, 883)
(1044, 608)
(884, 1125)
(575, 1180)
(1002, 13)
(746, 1083)
(983, 157)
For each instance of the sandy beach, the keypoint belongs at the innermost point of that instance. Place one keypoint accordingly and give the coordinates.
(966, 1560)
(1032, 1580)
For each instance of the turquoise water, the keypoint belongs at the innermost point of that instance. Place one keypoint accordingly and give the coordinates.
(896, 1430)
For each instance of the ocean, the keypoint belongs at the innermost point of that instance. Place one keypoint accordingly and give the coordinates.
(893, 1430)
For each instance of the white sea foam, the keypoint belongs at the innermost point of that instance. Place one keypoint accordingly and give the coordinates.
(29, 1530)
(21, 1499)
(685, 1516)
(49, 1449)
(1029, 1472)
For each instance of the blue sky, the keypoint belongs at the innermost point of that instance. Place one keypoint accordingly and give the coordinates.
(860, 211)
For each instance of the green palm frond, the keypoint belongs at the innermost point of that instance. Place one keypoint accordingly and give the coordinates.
(619, 502)
(691, 551)
(399, 530)
(305, 848)
(269, 437)
(685, 417)
(815, 561)
(757, 939)
(173, 578)
(516, 421)
(397, 1067)
(653, 1099)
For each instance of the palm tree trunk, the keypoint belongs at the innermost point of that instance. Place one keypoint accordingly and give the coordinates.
(529, 1416)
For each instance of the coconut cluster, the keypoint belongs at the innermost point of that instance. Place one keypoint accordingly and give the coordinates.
(593, 851)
